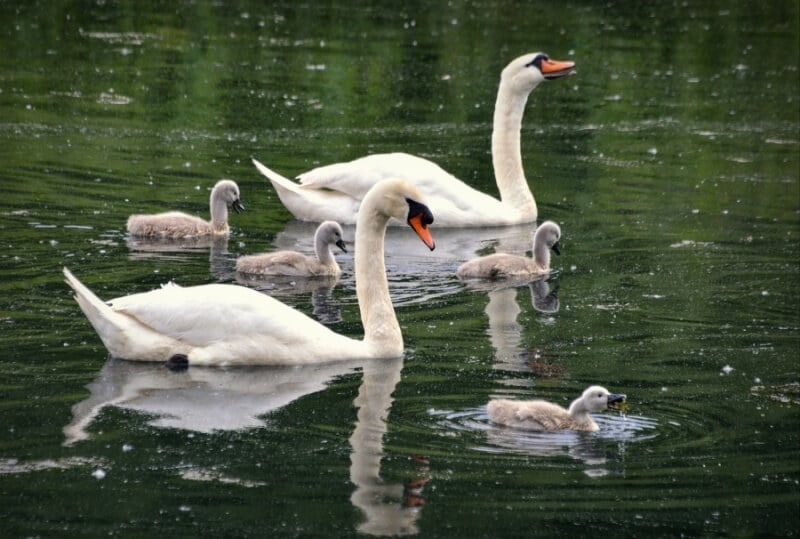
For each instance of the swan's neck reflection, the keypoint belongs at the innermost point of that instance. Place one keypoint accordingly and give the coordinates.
(381, 503)
(208, 400)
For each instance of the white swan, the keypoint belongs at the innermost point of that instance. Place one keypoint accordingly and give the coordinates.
(177, 224)
(502, 265)
(335, 191)
(224, 324)
(543, 415)
(293, 263)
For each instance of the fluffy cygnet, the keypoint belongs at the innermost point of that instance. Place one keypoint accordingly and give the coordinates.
(543, 415)
(177, 224)
(328, 234)
(501, 265)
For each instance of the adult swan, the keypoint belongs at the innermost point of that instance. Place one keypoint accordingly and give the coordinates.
(223, 324)
(334, 192)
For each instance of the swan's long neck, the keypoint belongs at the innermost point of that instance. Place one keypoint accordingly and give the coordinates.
(381, 329)
(219, 213)
(506, 153)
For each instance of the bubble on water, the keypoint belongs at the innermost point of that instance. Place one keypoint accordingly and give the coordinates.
(727, 369)
(99, 473)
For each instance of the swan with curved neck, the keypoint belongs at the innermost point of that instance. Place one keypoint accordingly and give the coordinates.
(328, 233)
(175, 224)
(335, 191)
(502, 265)
(224, 324)
(543, 415)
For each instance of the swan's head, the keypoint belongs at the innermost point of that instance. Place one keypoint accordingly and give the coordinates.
(399, 198)
(330, 233)
(228, 191)
(597, 399)
(550, 234)
(526, 72)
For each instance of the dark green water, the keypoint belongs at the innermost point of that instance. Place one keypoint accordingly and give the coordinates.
(671, 162)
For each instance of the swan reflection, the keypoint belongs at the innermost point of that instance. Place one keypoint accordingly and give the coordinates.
(213, 399)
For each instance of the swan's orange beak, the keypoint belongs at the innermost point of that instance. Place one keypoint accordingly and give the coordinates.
(555, 69)
(417, 222)
(419, 217)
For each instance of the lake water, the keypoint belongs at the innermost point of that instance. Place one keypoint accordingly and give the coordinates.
(671, 162)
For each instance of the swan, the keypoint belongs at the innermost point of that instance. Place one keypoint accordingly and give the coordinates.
(543, 415)
(502, 265)
(177, 224)
(225, 324)
(297, 264)
(335, 191)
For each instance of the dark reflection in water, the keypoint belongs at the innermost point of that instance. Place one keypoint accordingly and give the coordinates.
(207, 400)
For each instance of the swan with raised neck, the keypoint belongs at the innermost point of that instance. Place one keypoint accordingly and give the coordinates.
(335, 191)
(225, 324)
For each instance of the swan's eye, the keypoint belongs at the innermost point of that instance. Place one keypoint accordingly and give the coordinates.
(537, 61)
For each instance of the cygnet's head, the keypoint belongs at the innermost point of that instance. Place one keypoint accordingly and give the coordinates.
(598, 398)
(549, 234)
(330, 233)
(228, 191)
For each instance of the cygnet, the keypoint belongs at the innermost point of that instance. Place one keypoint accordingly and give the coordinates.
(543, 415)
(501, 265)
(329, 233)
(175, 224)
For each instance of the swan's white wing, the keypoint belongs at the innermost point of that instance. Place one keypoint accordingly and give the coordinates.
(356, 177)
(452, 201)
(202, 316)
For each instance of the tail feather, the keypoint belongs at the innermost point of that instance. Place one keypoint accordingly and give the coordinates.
(102, 317)
(280, 183)
(311, 204)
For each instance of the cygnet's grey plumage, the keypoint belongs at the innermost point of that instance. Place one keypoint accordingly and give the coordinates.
(543, 415)
(175, 224)
(501, 265)
(328, 233)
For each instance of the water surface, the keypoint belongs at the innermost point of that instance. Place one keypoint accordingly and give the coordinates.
(670, 162)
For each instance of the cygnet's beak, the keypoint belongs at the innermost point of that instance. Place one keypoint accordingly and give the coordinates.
(340, 244)
(616, 398)
(556, 248)
(238, 206)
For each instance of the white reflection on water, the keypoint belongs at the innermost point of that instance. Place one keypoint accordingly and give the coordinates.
(211, 399)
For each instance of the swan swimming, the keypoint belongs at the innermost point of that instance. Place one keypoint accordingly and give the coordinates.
(297, 264)
(334, 192)
(543, 415)
(502, 265)
(225, 324)
(175, 224)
